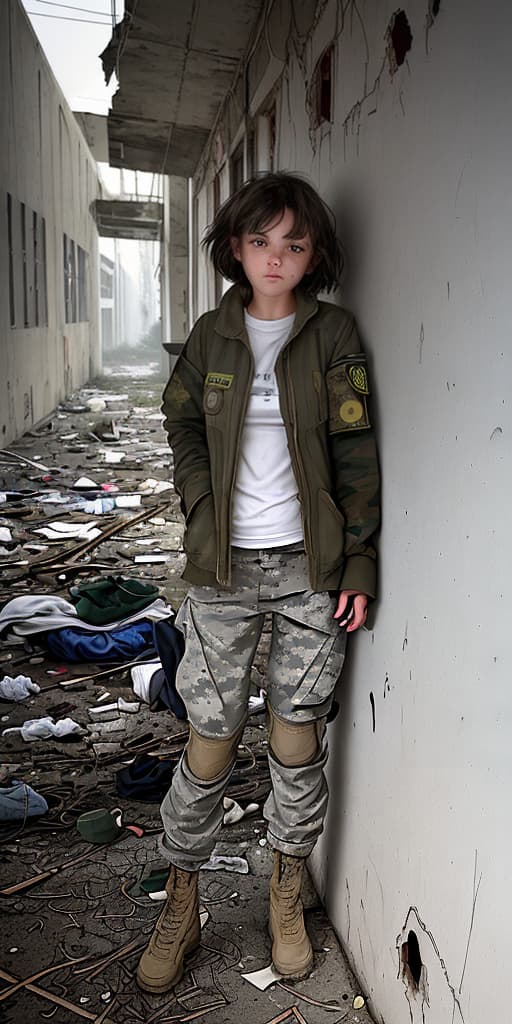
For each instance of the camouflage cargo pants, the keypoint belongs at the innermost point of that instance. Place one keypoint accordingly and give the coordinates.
(222, 629)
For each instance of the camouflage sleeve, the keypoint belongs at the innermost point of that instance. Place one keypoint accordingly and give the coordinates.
(185, 425)
(355, 463)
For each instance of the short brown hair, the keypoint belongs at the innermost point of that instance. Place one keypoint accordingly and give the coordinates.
(256, 205)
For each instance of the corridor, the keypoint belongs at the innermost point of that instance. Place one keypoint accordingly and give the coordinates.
(77, 913)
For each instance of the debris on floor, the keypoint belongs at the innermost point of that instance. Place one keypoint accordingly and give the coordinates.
(91, 730)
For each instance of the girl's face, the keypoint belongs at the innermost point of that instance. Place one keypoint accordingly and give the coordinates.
(274, 261)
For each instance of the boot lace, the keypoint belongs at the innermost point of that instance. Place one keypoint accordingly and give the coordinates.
(176, 909)
(291, 908)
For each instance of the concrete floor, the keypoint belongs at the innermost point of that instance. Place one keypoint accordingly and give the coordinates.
(71, 939)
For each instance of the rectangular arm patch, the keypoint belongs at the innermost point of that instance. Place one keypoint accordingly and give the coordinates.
(347, 388)
(219, 380)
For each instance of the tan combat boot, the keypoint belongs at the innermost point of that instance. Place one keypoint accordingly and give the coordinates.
(291, 949)
(177, 932)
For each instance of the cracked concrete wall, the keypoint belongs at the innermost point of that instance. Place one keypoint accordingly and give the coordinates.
(414, 862)
(45, 164)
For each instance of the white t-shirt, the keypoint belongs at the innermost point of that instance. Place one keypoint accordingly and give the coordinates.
(266, 508)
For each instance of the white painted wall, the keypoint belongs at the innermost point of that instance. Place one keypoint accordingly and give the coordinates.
(417, 169)
(39, 365)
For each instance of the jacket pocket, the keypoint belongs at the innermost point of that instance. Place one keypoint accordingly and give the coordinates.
(200, 540)
(331, 532)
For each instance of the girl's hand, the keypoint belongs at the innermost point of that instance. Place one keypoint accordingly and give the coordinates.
(352, 607)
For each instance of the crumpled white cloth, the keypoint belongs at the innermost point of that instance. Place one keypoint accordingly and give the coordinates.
(44, 728)
(141, 678)
(17, 688)
(69, 531)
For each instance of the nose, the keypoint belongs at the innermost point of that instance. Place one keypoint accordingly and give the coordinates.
(274, 260)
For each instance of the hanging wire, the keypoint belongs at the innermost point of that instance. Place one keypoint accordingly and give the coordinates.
(64, 17)
(72, 7)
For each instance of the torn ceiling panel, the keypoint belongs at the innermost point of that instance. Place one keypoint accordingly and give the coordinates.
(175, 64)
(155, 146)
(120, 218)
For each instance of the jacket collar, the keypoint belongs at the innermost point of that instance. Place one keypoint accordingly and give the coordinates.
(230, 320)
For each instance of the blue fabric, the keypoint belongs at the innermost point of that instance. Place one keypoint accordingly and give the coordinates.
(19, 801)
(170, 645)
(119, 645)
(147, 779)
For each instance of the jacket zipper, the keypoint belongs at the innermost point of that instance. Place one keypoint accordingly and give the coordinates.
(227, 579)
(298, 459)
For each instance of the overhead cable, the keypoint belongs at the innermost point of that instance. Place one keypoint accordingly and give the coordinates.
(63, 17)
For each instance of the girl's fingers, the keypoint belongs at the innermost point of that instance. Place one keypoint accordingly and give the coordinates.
(359, 616)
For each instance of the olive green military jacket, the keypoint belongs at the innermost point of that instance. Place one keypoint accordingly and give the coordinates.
(323, 393)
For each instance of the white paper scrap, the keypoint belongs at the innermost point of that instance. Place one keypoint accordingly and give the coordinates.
(113, 456)
(218, 862)
(150, 559)
(264, 978)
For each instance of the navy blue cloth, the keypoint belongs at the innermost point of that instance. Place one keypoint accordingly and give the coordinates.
(146, 779)
(123, 644)
(170, 645)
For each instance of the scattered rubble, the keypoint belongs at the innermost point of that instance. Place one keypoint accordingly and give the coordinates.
(88, 749)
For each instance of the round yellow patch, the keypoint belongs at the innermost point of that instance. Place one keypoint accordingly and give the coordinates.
(351, 411)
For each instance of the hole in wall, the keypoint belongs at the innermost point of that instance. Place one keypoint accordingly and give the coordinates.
(320, 100)
(434, 8)
(399, 40)
(411, 959)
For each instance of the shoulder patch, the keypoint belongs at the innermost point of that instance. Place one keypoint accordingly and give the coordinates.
(358, 378)
(219, 380)
(347, 388)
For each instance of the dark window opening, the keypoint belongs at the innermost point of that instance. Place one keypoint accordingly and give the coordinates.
(43, 290)
(251, 153)
(24, 263)
(76, 282)
(26, 240)
(237, 168)
(216, 205)
(37, 271)
(83, 284)
(12, 306)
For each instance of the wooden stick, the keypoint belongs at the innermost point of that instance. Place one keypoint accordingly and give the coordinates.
(12, 890)
(17, 984)
(51, 997)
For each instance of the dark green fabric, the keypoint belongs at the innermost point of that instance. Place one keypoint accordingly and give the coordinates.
(112, 599)
(334, 460)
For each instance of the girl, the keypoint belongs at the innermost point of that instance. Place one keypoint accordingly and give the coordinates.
(275, 464)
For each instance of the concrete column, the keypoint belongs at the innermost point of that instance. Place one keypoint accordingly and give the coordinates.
(175, 270)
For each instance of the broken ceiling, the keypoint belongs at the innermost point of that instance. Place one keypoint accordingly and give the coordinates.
(175, 64)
